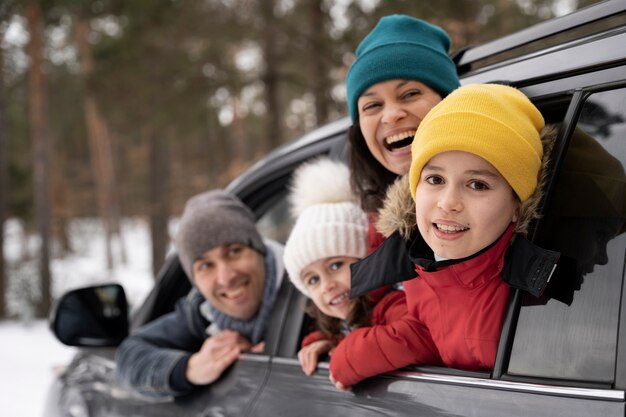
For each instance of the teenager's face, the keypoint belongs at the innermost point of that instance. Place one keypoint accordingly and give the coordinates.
(462, 204)
(328, 283)
(389, 114)
(231, 278)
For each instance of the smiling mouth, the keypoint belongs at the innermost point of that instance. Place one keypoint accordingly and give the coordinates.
(446, 228)
(399, 140)
(235, 291)
(339, 299)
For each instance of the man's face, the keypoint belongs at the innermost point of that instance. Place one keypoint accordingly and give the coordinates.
(231, 277)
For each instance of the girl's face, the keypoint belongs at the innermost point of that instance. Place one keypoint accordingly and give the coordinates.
(389, 114)
(328, 283)
(462, 204)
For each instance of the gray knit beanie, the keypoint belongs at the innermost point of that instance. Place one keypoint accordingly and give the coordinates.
(211, 219)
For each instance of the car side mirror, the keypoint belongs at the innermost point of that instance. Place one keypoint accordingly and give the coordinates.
(92, 317)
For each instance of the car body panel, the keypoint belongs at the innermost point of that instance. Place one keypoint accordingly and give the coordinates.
(427, 394)
(542, 32)
(89, 385)
(591, 54)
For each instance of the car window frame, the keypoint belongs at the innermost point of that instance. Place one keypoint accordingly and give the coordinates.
(570, 121)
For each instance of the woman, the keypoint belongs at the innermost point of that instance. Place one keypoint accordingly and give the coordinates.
(401, 71)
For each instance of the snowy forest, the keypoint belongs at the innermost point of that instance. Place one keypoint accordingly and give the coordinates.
(113, 109)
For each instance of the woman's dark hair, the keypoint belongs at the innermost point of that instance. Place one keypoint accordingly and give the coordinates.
(359, 316)
(368, 178)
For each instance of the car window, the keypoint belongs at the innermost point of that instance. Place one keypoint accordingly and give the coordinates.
(276, 222)
(573, 334)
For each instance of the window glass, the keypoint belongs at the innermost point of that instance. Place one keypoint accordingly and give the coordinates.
(276, 223)
(572, 332)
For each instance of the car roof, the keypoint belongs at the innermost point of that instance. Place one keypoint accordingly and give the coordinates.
(282, 160)
(563, 33)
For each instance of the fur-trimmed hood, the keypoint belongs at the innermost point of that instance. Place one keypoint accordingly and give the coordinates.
(398, 211)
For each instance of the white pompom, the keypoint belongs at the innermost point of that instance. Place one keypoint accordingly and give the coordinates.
(322, 180)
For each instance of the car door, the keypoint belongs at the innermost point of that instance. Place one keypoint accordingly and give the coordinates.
(558, 356)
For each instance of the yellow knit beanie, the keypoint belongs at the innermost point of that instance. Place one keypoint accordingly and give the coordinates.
(496, 122)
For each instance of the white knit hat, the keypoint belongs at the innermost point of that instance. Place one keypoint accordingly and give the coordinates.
(329, 220)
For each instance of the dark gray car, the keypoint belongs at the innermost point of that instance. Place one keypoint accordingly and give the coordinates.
(561, 355)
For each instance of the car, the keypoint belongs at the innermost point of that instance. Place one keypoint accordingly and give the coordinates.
(563, 354)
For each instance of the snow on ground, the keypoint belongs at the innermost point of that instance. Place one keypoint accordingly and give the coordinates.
(29, 352)
(28, 355)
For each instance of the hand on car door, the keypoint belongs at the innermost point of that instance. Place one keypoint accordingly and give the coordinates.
(216, 354)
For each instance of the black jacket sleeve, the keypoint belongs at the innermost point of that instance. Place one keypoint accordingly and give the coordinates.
(388, 264)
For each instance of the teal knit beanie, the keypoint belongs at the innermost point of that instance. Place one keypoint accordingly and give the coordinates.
(401, 47)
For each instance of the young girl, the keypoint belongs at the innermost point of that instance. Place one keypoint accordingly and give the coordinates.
(476, 160)
(330, 233)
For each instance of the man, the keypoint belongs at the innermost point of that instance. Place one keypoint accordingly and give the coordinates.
(235, 275)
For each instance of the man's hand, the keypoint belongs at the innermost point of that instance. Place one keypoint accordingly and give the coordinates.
(216, 354)
(309, 355)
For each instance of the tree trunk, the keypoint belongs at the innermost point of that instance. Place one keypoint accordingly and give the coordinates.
(100, 149)
(60, 211)
(40, 149)
(274, 130)
(4, 173)
(506, 16)
(237, 149)
(159, 197)
(319, 67)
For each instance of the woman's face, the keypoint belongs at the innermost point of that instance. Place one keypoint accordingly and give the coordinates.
(389, 114)
(328, 283)
(462, 204)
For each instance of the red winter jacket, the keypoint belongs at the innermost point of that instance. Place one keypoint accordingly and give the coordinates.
(374, 238)
(454, 318)
(394, 340)
(462, 304)
(374, 296)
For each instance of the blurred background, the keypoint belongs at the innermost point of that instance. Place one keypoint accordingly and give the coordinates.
(113, 113)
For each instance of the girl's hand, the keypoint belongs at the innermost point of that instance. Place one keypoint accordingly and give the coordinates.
(309, 355)
(338, 384)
